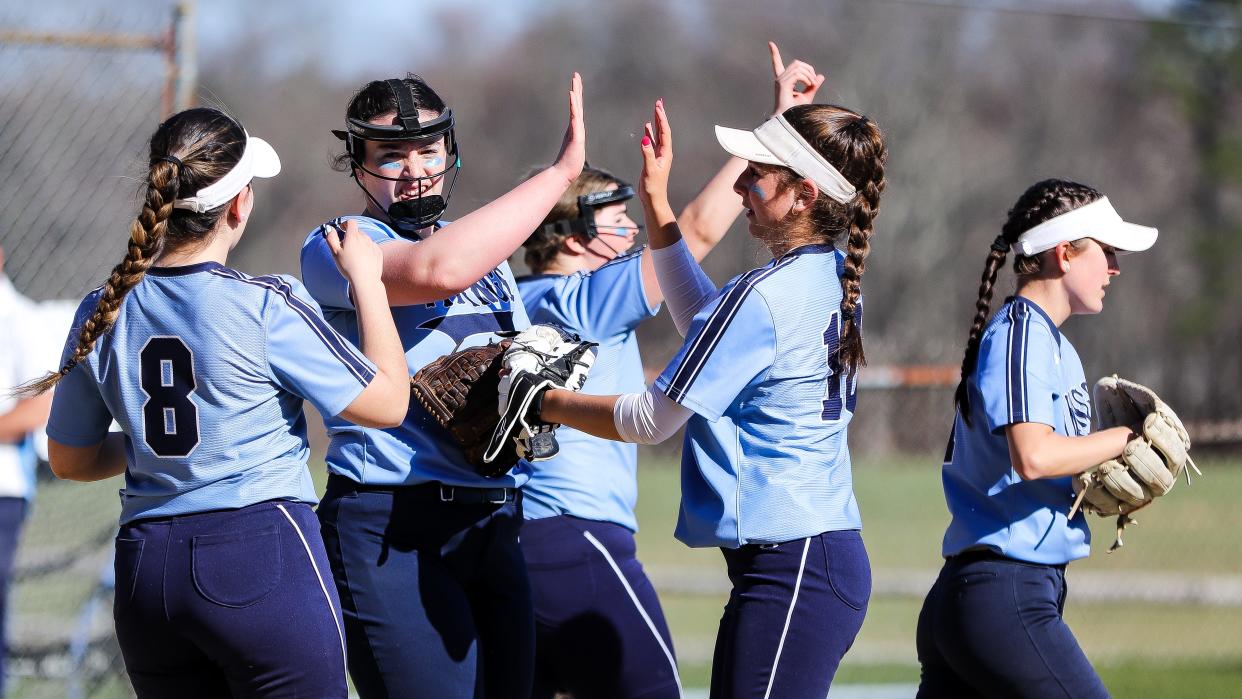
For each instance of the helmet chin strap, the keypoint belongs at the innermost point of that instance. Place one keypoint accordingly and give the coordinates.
(615, 252)
(410, 216)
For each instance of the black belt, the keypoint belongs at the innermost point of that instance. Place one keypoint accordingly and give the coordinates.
(428, 492)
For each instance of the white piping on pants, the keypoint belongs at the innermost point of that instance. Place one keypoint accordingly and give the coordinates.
(643, 612)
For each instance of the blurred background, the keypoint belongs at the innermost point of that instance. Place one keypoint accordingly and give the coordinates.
(1141, 99)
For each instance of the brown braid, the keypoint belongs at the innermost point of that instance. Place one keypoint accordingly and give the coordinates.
(188, 152)
(1040, 202)
(855, 146)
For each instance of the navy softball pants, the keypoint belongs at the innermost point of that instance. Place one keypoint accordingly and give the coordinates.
(993, 627)
(434, 590)
(794, 611)
(599, 629)
(12, 514)
(235, 603)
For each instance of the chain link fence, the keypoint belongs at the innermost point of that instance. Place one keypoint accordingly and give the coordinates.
(78, 106)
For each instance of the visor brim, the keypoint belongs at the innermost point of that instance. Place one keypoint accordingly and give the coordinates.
(745, 145)
(1127, 237)
(266, 162)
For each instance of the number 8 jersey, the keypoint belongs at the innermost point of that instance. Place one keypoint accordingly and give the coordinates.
(205, 370)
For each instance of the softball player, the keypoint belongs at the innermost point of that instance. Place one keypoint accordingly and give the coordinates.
(19, 419)
(764, 386)
(607, 637)
(222, 584)
(424, 550)
(992, 625)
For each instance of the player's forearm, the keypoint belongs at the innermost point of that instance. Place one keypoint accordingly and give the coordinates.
(685, 286)
(1036, 451)
(662, 233)
(92, 463)
(467, 249)
(590, 414)
(386, 399)
(28, 415)
(662, 228)
(706, 219)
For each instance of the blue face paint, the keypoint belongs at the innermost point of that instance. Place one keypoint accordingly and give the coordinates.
(758, 191)
(391, 165)
(433, 162)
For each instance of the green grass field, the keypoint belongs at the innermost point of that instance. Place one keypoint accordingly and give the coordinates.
(1142, 649)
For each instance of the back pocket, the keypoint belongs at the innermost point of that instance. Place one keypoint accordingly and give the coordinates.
(849, 569)
(125, 571)
(237, 569)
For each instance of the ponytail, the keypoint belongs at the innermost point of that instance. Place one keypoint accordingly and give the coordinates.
(1040, 202)
(188, 152)
(855, 146)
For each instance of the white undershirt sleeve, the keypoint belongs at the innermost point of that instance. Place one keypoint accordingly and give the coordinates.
(685, 286)
(649, 417)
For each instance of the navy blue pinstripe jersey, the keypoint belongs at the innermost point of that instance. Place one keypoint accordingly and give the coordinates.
(205, 370)
(1027, 372)
(765, 457)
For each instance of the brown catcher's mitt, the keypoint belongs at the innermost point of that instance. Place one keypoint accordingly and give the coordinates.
(1148, 466)
(459, 391)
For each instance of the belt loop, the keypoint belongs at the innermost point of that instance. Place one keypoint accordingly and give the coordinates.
(504, 497)
(446, 493)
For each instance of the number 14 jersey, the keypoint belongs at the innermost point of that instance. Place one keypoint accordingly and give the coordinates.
(205, 371)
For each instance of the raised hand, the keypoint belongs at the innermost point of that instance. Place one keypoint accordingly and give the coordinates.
(657, 149)
(572, 158)
(357, 256)
(787, 79)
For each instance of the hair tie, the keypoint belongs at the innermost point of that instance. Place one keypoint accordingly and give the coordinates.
(1000, 244)
(171, 159)
(847, 314)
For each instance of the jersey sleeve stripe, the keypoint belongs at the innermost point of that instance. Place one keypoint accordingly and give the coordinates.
(713, 330)
(336, 344)
(1017, 342)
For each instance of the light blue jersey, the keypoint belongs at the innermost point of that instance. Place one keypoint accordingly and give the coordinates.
(592, 478)
(765, 457)
(1027, 372)
(418, 450)
(205, 370)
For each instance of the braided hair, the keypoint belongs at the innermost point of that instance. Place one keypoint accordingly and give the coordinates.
(188, 152)
(1041, 202)
(854, 145)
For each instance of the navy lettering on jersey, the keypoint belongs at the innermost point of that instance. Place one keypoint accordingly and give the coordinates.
(1079, 405)
(169, 417)
(460, 327)
(948, 450)
(832, 344)
(488, 291)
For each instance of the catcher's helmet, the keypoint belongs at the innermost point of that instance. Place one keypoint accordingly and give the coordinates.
(584, 223)
(410, 216)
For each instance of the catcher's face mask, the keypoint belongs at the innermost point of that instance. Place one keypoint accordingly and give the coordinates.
(415, 155)
(586, 225)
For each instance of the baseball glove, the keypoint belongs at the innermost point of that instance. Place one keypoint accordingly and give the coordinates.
(539, 358)
(1148, 466)
(458, 390)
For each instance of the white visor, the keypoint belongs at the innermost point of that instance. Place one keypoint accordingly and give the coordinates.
(775, 142)
(259, 159)
(1097, 220)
